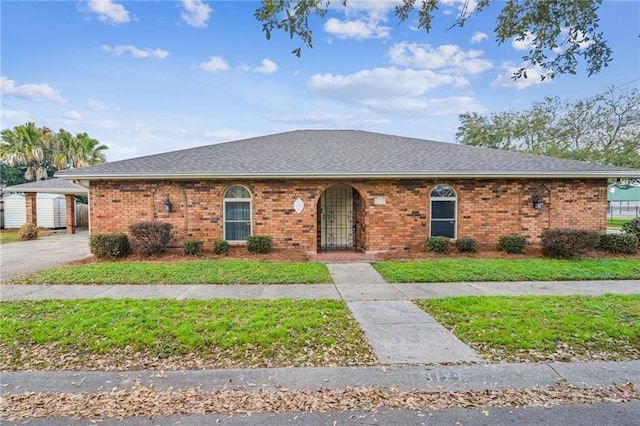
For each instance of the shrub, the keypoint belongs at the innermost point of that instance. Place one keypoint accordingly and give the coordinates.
(513, 243)
(632, 227)
(193, 247)
(568, 243)
(619, 243)
(438, 244)
(258, 243)
(220, 246)
(469, 245)
(110, 245)
(151, 237)
(28, 231)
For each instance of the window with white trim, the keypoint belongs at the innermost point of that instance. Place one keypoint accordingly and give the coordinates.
(443, 211)
(237, 213)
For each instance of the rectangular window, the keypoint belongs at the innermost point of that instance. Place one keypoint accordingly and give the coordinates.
(237, 220)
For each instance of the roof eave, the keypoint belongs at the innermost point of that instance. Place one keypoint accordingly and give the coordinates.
(342, 175)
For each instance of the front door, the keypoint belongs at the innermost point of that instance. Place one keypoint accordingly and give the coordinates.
(337, 218)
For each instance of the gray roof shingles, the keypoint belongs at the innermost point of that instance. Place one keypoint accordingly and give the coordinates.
(51, 186)
(309, 153)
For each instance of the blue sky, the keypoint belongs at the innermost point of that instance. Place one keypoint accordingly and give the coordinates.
(145, 77)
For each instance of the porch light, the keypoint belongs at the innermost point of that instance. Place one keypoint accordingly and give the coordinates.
(537, 202)
(167, 205)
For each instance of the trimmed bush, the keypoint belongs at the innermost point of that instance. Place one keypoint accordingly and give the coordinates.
(568, 243)
(151, 237)
(513, 244)
(220, 246)
(193, 247)
(619, 243)
(259, 244)
(110, 245)
(467, 245)
(438, 245)
(632, 227)
(28, 231)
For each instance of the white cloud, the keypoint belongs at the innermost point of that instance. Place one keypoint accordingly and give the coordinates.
(135, 52)
(329, 120)
(311, 117)
(446, 57)
(223, 135)
(31, 91)
(196, 13)
(534, 77)
(73, 115)
(363, 20)
(524, 43)
(267, 67)
(464, 7)
(356, 29)
(96, 105)
(478, 36)
(215, 63)
(109, 12)
(380, 83)
(12, 118)
(434, 107)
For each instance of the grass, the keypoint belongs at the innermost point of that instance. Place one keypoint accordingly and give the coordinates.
(535, 328)
(126, 333)
(616, 223)
(196, 272)
(454, 270)
(12, 235)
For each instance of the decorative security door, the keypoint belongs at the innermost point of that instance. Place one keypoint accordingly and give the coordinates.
(338, 219)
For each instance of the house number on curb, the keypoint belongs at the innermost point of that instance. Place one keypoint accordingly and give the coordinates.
(298, 205)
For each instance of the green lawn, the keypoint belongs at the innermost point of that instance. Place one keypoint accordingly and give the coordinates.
(11, 235)
(528, 328)
(616, 223)
(132, 334)
(197, 272)
(460, 269)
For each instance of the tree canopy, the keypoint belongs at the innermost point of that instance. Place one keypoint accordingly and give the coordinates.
(604, 128)
(560, 32)
(38, 152)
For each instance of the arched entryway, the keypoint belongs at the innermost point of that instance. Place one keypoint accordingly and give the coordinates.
(340, 216)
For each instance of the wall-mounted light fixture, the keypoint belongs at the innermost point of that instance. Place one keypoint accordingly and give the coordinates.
(537, 202)
(167, 205)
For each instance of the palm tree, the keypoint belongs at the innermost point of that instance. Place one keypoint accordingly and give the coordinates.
(30, 146)
(89, 151)
(77, 151)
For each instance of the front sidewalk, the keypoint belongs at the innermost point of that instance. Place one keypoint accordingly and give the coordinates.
(352, 292)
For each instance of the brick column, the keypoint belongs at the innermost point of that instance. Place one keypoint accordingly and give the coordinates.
(32, 207)
(71, 213)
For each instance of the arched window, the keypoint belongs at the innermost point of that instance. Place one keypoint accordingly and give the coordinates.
(237, 213)
(443, 211)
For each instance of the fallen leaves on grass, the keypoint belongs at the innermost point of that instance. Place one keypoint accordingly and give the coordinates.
(621, 351)
(149, 402)
(47, 357)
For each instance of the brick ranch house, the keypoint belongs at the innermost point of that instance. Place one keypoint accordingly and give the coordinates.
(317, 190)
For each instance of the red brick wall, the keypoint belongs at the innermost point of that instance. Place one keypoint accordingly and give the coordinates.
(487, 209)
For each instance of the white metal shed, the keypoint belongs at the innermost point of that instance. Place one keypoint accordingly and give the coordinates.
(51, 208)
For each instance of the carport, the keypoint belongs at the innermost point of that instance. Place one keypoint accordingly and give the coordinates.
(50, 186)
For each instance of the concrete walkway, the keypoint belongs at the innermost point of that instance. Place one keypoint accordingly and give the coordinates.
(398, 331)
(319, 291)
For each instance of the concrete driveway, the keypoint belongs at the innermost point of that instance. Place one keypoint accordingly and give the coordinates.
(25, 257)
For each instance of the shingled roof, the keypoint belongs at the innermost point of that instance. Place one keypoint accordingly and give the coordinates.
(49, 186)
(341, 153)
